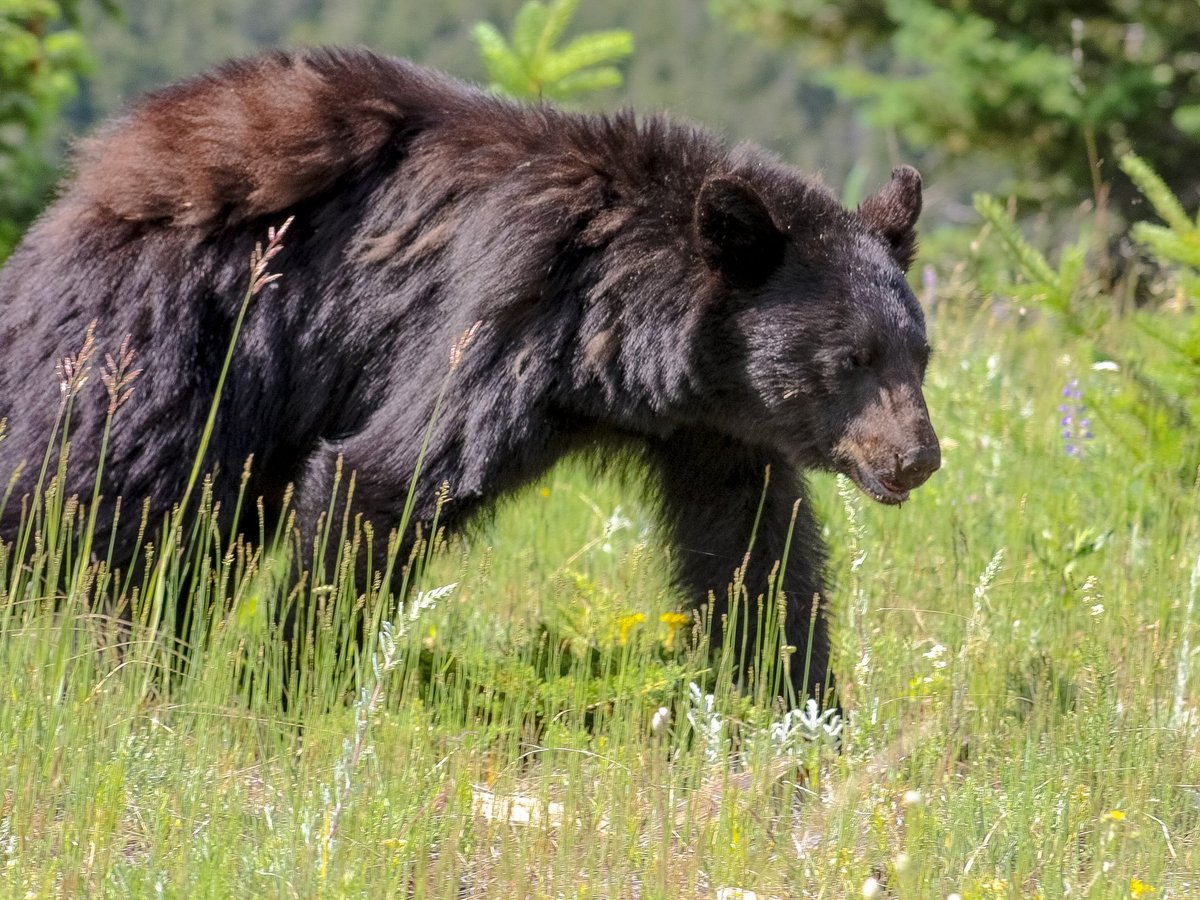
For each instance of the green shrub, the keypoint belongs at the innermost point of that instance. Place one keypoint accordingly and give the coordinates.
(530, 66)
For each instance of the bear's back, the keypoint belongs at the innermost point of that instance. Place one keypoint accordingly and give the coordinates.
(255, 137)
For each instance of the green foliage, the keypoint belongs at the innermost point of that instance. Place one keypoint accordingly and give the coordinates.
(1176, 246)
(528, 65)
(955, 93)
(1178, 242)
(1055, 289)
(1056, 89)
(41, 58)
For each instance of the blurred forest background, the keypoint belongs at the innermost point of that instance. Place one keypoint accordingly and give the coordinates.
(1036, 99)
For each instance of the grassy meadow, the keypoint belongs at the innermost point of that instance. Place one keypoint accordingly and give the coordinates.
(1017, 649)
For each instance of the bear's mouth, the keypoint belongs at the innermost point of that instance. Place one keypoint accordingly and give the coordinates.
(877, 488)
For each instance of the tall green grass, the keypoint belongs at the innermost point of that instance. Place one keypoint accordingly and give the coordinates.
(1017, 649)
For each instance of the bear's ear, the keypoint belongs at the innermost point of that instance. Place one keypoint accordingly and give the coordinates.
(735, 233)
(892, 213)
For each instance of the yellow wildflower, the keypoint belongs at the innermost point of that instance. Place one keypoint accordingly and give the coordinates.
(1139, 888)
(674, 621)
(626, 624)
(1116, 815)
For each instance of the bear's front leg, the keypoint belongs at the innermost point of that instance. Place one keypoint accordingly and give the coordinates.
(711, 488)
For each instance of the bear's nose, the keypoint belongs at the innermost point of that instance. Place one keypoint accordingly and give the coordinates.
(916, 465)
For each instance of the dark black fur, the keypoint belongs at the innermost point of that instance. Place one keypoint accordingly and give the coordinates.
(634, 282)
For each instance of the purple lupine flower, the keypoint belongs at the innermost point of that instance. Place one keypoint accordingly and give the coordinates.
(1075, 425)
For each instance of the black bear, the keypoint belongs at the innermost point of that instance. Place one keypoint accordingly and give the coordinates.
(628, 283)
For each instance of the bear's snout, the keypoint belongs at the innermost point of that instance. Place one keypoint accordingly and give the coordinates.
(890, 450)
(915, 466)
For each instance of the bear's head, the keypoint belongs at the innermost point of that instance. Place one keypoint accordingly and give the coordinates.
(822, 343)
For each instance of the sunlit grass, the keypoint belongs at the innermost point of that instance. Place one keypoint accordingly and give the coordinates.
(1016, 645)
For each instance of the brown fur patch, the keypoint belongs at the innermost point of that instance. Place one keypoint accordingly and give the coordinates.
(250, 139)
(602, 349)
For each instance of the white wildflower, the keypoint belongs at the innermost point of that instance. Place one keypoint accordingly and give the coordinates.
(807, 726)
(706, 721)
(937, 655)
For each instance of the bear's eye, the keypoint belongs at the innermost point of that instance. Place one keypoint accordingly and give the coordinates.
(861, 359)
